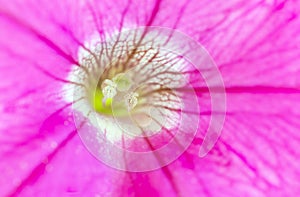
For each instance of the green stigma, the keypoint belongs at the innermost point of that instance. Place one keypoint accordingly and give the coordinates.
(99, 105)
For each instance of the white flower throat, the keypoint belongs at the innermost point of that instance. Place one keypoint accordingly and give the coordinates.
(134, 89)
(132, 93)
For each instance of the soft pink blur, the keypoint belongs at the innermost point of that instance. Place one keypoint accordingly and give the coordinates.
(256, 45)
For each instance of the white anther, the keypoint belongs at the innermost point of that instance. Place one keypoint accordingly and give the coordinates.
(108, 89)
(131, 100)
(109, 92)
(108, 82)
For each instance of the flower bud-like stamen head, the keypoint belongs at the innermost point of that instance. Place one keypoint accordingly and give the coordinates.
(131, 100)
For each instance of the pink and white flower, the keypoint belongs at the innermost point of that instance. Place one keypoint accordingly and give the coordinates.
(45, 49)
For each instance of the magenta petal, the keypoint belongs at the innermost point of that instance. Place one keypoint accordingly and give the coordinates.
(255, 44)
(257, 154)
(34, 119)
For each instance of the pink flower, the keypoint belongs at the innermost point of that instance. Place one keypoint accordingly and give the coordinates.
(256, 46)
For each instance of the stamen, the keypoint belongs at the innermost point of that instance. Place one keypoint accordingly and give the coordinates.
(131, 100)
(108, 90)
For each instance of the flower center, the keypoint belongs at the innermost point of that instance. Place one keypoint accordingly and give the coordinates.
(110, 88)
(135, 88)
(134, 97)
